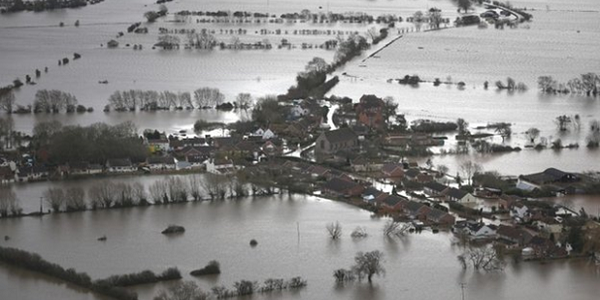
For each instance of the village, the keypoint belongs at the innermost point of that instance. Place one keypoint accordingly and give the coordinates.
(360, 154)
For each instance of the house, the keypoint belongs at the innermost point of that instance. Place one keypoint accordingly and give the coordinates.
(338, 187)
(434, 189)
(297, 111)
(514, 235)
(411, 174)
(219, 166)
(394, 171)
(330, 142)
(268, 134)
(404, 140)
(394, 203)
(156, 163)
(440, 217)
(83, 168)
(475, 230)
(157, 142)
(196, 155)
(520, 211)
(119, 165)
(549, 176)
(416, 210)
(272, 147)
(373, 196)
(370, 111)
(550, 225)
(33, 173)
(460, 196)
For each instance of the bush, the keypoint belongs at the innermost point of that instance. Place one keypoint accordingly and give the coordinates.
(212, 268)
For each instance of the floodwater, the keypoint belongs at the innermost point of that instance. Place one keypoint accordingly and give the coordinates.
(292, 241)
(563, 41)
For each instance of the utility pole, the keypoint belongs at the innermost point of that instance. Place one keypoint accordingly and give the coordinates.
(462, 289)
(41, 211)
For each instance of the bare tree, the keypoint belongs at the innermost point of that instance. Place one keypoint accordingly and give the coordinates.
(186, 290)
(243, 100)
(464, 5)
(215, 186)
(194, 187)
(485, 258)
(442, 169)
(102, 195)
(158, 192)
(343, 275)
(334, 230)
(359, 232)
(434, 15)
(123, 194)
(395, 229)
(75, 199)
(55, 197)
(139, 193)
(7, 99)
(8, 202)
(504, 130)
(532, 134)
(463, 126)
(469, 168)
(177, 189)
(368, 264)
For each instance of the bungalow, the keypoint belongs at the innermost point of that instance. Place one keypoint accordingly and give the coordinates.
(34, 173)
(374, 196)
(440, 217)
(338, 187)
(394, 171)
(119, 166)
(394, 202)
(549, 176)
(332, 141)
(161, 163)
(514, 235)
(83, 168)
(460, 196)
(416, 210)
(434, 189)
(476, 230)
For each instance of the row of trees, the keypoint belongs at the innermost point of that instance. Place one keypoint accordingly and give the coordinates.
(96, 143)
(48, 101)
(189, 290)
(588, 84)
(205, 97)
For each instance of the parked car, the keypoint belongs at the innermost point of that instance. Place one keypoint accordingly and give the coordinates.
(490, 14)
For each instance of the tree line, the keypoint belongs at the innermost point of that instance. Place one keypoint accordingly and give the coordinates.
(45, 101)
(53, 142)
(587, 84)
(203, 98)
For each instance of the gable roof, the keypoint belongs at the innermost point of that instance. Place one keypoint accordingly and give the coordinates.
(119, 162)
(371, 191)
(389, 168)
(435, 186)
(412, 173)
(340, 135)
(393, 200)
(456, 193)
(339, 185)
(514, 234)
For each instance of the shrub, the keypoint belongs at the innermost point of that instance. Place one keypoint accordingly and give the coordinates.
(212, 268)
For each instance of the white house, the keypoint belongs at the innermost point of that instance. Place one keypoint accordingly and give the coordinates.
(219, 166)
(519, 211)
(460, 196)
(119, 166)
(268, 134)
